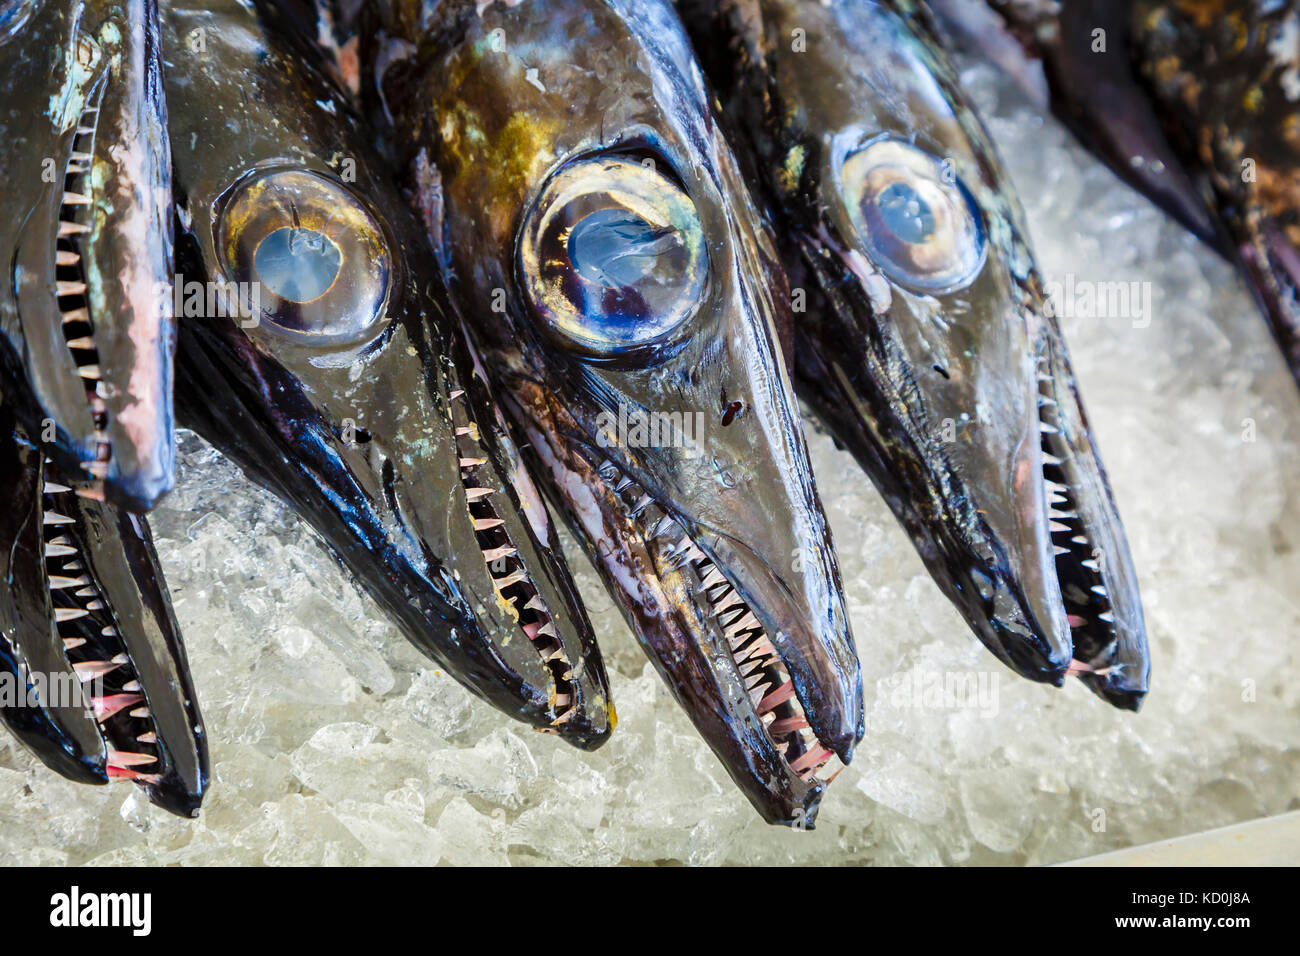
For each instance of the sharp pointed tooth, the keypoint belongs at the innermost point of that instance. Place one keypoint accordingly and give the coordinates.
(469, 463)
(68, 613)
(66, 257)
(535, 604)
(58, 550)
(623, 482)
(456, 393)
(133, 686)
(108, 632)
(63, 287)
(810, 760)
(547, 630)
(95, 605)
(142, 712)
(786, 725)
(53, 517)
(1099, 589)
(712, 578)
(83, 342)
(1053, 513)
(496, 554)
(1090, 564)
(1079, 539)
(71, 228)
(110, 704)
(149, 737)
(1047, 429)
(123, 758)
(89, 371)
(58, 582)
(1055, 486)
(89, 670)
(1057, 550)
(487, 524)
(72, 643)
(53, 487)
(1055, 527)
(1106, 616)
(1046, 401)
(514, 577)
(1050, 459)
(474, 494)
(75, 199)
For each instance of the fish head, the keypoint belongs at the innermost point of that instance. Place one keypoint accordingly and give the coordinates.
(610, 264)
(90, 635)
(85, 233)
(330, 368)
(932, 349)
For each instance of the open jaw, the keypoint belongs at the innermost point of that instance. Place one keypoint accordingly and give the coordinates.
(694, 619)
(516, 591)
(1092, 562)
(71, 283)
(111, 614)
(754, 686)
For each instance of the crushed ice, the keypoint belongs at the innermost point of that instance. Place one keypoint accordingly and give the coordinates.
(334, 742)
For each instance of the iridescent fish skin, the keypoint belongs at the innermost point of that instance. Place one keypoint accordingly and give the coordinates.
(87, 631)
(927, 345)
(1226, 76)
(85, 235)
(345, 386)
(612, 265)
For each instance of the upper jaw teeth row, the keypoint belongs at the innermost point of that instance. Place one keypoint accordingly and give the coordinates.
(513, 586)
(1070, 542)
(66, 572)
(70, 286)
(762, 673)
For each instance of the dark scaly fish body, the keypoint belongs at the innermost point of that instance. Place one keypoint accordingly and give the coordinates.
(85, 236)
(927, 345)
(611, 264)
(350, 394)
(1226, 76)
(1085, 50)
(89, 632)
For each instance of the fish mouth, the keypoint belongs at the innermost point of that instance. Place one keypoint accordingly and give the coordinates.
(94, 619)
(407, 473)
(92, 255)
(705, 608)
(1094, 571)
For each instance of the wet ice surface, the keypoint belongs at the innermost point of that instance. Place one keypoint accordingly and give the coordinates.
(334, 742)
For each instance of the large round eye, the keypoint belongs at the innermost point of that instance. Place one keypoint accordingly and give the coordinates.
(612, 256)
(309, 258)
(915, 219)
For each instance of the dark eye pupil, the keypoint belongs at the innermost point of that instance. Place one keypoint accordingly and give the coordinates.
(905, 213)
(617, 249)
(297, 264)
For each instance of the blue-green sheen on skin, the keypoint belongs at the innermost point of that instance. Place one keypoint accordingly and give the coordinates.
(509, 103)
(937, 363)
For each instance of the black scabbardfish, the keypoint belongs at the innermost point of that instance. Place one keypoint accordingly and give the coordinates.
(927, 344)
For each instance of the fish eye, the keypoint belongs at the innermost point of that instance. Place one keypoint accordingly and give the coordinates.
(612, 256)
(309, 258)
(915, 219)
